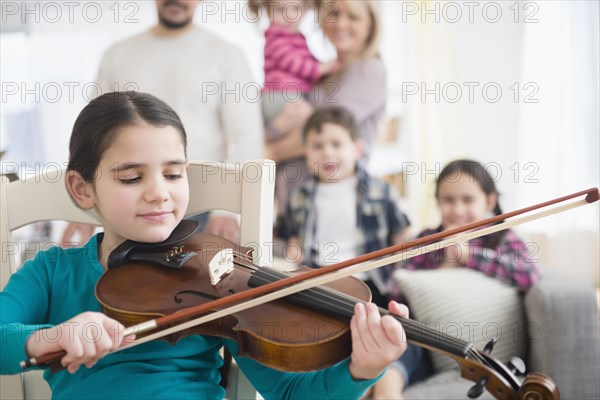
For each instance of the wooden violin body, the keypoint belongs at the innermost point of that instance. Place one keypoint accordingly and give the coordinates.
(279, 334)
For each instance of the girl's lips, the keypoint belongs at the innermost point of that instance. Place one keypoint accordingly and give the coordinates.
(156, 216)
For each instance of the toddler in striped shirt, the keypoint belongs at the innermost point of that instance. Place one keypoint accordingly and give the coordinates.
(290, 67)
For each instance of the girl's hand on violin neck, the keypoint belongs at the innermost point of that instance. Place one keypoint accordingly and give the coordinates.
(85, 338)
(376, 341)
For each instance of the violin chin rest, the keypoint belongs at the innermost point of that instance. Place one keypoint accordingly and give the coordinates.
(125, 250)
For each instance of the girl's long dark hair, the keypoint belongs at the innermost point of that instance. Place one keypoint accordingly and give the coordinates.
(455, 169)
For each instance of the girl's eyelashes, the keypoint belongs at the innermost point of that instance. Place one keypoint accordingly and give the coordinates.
(136, 179)
(175, 172)
(130, 181)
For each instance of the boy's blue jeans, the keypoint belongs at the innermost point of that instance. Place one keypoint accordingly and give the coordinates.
(414, 365)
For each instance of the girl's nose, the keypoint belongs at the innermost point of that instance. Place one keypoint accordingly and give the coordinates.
(156, 191)
(458, 210)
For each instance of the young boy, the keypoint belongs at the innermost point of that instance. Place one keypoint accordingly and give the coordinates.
(343, 212)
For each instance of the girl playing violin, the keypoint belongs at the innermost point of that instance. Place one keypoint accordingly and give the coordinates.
(127, 163)
(465, 193)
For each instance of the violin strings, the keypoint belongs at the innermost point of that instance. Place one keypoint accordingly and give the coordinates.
(346, 303)
(331, 300)
(412, 328)
(340, 303)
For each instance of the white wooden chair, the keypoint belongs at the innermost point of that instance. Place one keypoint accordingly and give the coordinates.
(246, 190)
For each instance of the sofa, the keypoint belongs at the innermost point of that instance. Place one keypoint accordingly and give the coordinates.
(561, 339)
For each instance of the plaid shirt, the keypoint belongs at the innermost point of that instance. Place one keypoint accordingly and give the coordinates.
(378, 216)
(510, 261)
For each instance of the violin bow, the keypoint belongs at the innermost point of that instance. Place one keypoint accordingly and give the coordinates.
(316, 277)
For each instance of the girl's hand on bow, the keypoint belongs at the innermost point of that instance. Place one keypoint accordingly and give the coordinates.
(376, 341)
(85, 338)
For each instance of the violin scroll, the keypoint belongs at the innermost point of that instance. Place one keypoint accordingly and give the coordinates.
(489, 375)
(500, 380)
(538, 387)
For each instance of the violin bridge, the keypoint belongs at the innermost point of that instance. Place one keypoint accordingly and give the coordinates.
(220, 265)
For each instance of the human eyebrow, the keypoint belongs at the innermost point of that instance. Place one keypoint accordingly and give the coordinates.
(119, 167)
(176, 162)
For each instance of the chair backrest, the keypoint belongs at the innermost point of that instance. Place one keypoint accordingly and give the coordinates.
(246, 190)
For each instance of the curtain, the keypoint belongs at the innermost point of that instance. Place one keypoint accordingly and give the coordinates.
(432, 131)
(559, 134)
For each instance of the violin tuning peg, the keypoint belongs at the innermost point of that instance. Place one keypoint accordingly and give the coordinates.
(490, 346)
(516, 366)
(477, 389)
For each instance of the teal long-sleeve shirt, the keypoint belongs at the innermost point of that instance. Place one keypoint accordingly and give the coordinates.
(58, 284)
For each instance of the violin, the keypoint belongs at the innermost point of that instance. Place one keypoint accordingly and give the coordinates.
(309, 328)
(287, 335)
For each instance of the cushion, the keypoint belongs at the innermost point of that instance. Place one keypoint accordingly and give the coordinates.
(467, 305)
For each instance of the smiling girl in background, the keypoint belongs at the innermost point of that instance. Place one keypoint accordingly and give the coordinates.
(465, 193)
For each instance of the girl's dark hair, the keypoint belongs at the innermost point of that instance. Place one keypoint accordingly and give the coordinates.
(455, 169)
(97, 124)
